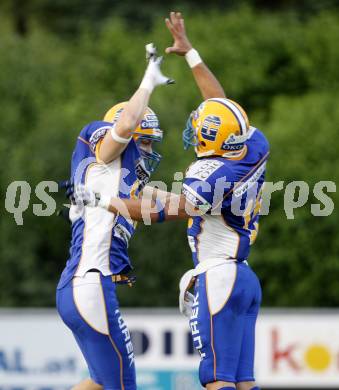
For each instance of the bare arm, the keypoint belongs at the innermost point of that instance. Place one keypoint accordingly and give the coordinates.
(127, 122)
(150, 192)
(140, 210)
(208, 84)
(147, 210)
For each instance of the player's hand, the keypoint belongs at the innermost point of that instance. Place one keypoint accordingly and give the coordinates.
(84, 196)
(186, 299)
(175, 24)
(79, 194)
(153, 75)
(187, 304)
(68, 186)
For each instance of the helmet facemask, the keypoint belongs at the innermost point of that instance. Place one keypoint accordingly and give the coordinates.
(189, 135)
(151, 159)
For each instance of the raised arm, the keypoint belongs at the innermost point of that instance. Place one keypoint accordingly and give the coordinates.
(208, 84)
(110, 148)
(117, 139)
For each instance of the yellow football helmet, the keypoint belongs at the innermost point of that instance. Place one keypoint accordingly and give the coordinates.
(219, 127)
(147, 129)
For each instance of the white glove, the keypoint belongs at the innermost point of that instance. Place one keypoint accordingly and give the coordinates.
(84, 196)
(186, 299)
(153, 75)
(151, 50)
(186, 304)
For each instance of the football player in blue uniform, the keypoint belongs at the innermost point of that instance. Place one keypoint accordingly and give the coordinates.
(113, 156)
(221, 199)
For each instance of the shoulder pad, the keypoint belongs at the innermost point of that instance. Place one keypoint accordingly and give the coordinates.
(96, 133)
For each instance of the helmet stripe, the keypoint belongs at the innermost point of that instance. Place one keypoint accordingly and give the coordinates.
(235, 111)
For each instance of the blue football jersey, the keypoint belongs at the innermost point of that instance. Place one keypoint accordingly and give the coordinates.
(100, 238)
(230, 193)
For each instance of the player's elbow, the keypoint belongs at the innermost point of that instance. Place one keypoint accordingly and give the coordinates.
(106, 158)
(126, 125)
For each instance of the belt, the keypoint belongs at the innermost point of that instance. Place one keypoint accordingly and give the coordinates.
(210, 263)
(119, 278)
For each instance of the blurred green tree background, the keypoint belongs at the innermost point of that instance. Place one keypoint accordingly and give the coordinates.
(64, 63)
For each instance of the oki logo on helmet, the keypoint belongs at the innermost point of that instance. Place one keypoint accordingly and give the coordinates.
(232, 143)
(231, 147)
(210, 127)
(150, 121)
